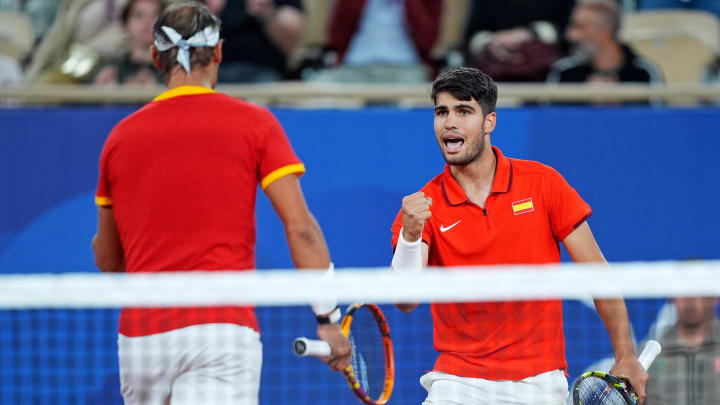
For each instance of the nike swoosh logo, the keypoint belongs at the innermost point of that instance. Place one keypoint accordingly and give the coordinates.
(444, 229)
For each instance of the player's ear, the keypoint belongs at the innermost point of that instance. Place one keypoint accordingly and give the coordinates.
(490, 121)
(156, 58)
(217, 52)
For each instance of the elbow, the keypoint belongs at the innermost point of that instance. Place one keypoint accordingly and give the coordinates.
(306, 233)
(105, 261)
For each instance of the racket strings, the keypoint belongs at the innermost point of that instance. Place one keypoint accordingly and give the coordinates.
(368, 359)
(593, 390)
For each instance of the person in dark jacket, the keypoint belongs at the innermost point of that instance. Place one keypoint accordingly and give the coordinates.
(597, 55)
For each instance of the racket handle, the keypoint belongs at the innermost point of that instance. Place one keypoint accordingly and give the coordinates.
(649, 353)
(309, 347)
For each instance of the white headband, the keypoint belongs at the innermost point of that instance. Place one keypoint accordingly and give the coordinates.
(209, 36)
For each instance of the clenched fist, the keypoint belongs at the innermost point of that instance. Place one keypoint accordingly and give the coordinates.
(415, 212)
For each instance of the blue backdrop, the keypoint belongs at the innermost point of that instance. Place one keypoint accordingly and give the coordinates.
(652, 177)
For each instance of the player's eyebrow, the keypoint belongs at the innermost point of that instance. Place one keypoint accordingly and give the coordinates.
(464, 106)
(440, 108)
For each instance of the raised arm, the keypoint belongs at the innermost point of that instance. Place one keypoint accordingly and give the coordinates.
(308, 250)
(411, 253)
(583, 248)
(108, 251)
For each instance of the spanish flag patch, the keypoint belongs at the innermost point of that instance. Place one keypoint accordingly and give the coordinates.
(523, 206)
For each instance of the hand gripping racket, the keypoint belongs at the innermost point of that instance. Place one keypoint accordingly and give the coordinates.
(371, 372)
(598, 388)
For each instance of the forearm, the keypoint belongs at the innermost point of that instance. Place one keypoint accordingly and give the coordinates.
(614, 315)
(307, 245)
(285, 27)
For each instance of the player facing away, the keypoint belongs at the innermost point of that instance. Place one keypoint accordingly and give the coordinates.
(485, 209)
(178, 181)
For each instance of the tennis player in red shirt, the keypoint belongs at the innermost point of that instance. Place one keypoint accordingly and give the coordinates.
(487, 209)
(177, 189)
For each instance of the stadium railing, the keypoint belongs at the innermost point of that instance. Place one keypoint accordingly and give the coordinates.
(358, 95)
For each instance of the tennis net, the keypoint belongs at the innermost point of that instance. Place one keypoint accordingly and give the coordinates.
(59, 341)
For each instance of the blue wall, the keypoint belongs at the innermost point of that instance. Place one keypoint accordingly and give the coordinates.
(652, 177)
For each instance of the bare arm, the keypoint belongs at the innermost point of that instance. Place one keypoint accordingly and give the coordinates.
(308, 250)
(108, 251)
(307, 244)
(582, 248)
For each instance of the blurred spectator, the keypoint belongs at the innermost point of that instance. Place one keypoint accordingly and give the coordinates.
(16, 42)
(687, 372)
(516, 40)
(259, 35)
(41, 12)
(712, 6)
(135, 67)
(83, 33)
(382, 41)
(597, 55)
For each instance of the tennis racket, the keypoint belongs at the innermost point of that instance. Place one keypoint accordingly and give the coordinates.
(371, 372)
(598, 388)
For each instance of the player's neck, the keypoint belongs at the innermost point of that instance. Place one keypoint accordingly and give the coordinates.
(197, 77)
(476, 178)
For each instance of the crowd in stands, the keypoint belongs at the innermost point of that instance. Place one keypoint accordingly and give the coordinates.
(368, 41)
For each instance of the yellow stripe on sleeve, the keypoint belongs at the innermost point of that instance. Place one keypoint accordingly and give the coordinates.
(281, 172)
(103, 201)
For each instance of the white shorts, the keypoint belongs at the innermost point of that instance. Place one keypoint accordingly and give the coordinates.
(550, 388)
(201, 364)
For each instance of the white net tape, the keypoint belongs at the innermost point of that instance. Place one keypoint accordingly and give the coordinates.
(379, 285)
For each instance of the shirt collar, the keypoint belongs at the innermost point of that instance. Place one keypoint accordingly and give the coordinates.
(183, 91)
(455, 195)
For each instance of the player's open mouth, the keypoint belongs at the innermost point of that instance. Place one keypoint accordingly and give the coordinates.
(452, 143)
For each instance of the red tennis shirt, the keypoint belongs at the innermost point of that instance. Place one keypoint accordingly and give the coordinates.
(181, 175)
(530, 209)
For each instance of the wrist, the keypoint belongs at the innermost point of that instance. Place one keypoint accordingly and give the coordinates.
(332, 317)
(409, 237)
(325, 308)
(408, 255)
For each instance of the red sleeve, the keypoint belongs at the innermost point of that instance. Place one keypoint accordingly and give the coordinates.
(566, 209)
(277, 158)
(397, 226)
(103, 195)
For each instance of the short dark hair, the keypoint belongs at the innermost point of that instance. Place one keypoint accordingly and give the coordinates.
(125, 15)
(466, 83)
(187, 19)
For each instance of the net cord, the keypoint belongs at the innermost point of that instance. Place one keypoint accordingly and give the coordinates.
(377, 285)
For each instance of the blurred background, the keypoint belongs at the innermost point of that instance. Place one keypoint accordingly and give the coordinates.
(620, 96)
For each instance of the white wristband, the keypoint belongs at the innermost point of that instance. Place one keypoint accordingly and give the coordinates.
(408, 256)
(325, 307)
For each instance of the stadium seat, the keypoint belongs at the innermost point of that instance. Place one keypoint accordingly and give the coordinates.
(682, 43)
